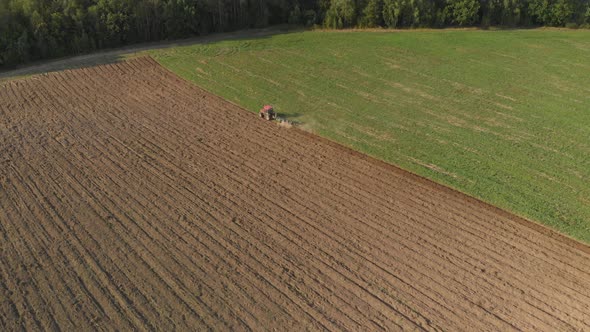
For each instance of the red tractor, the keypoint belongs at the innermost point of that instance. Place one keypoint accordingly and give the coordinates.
(267, 113)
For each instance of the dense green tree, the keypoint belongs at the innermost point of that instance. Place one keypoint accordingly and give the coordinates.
(511, 12)
(462, 12)
(561, 13)
(491, 11)
(38, 29)
(423, 13)
(372, 15)
(391, 12)
(556, 12)
(341, 14)
(540, 11)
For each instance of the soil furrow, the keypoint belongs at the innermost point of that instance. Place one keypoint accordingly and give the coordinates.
(154, 174)
(131, 199)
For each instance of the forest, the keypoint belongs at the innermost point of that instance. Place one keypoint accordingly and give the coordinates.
(40, 29)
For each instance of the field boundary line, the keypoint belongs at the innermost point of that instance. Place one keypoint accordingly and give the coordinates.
(521, 220)
(512, 216)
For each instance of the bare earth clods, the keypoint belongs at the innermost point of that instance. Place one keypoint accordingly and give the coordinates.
(130, 199)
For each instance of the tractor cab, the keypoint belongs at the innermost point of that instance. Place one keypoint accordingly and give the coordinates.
(267, 113)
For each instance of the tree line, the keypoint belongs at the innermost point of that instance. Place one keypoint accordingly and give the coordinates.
(40, 29)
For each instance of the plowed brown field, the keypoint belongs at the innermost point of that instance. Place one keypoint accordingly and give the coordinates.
(131, 199)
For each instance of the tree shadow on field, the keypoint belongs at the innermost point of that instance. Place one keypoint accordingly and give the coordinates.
(59, 65)
(116, 55)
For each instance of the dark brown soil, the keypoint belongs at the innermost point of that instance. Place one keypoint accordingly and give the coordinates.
(130, 199)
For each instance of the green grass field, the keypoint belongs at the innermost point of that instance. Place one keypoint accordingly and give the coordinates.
(500, 115)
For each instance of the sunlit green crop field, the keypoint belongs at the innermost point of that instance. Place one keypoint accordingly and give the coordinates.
(500, 115)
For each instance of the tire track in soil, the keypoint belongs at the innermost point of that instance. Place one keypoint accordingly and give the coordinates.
(132, 199)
